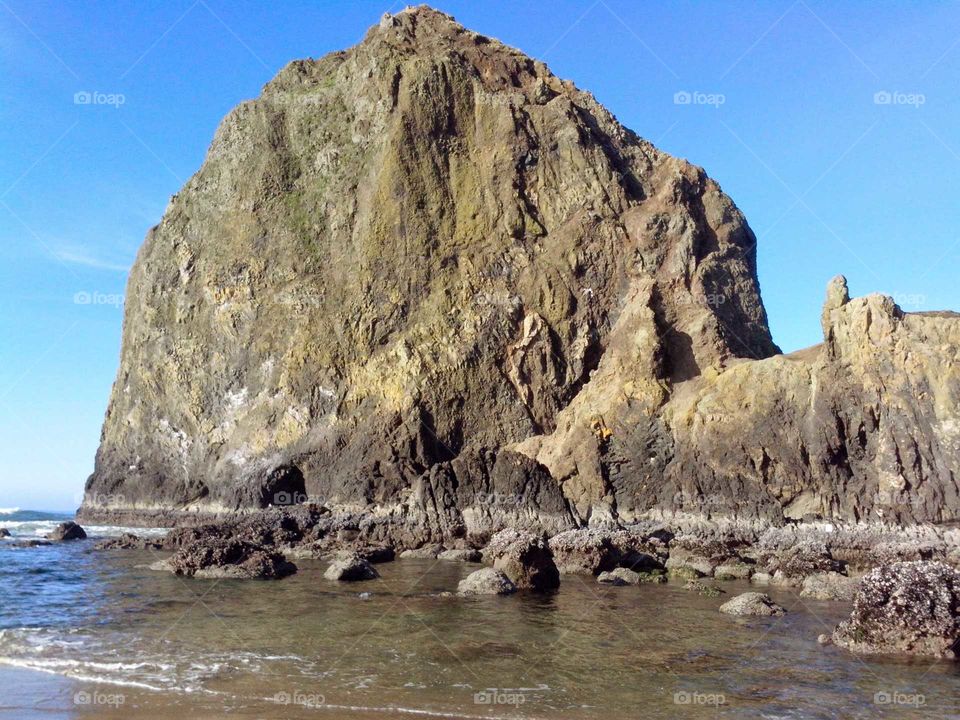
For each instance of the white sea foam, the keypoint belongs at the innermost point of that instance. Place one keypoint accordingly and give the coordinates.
(42, 528)
(9, 511)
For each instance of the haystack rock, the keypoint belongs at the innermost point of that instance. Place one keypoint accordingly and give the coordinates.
(425, 277)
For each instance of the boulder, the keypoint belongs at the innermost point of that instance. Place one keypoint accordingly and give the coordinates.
(733, 571)
(752, 603)
(792, 565)
(703, 589)
(351, 568)
(524, 558)
(909, 608)
(584, 551)
(681, 560)
(376, 555)
(4, 533)
(29, 543)
(828, 586)
(471, 555)
(487, 581)
(129, 541)
(427, 552)
(67, 531)
(619, 576)
(224, 557)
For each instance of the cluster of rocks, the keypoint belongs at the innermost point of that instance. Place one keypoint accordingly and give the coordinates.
(900, 607)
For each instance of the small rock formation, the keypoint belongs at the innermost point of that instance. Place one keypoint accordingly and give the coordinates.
(524, 558)
(828, 586)
(376, 555)
(584, 551)
(620, 576)
(909, 608)
(752, 603)
(683, 563)
(350, 568)
(792, 565)
(67, 531)
(470, 555)
(428, 552)
(488, 581)
(733, 571)
(4, 533)
(129, 541)
(213, 556)
(703, 589)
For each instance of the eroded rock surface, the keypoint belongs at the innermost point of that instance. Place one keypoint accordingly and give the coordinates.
(223, 557)
(351, 568)
(67, 531)
(752, 603)
(487, 581)
(524, 558)
(909, 608)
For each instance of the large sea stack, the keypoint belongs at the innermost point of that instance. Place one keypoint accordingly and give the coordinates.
(426, 279)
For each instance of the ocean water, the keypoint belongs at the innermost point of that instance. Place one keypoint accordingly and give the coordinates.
(87, 634)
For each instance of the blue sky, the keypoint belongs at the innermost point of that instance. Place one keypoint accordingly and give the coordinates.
(833, 126)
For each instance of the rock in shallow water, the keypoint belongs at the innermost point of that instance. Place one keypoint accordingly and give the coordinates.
(703, 589)
(4, 533)
(752, 603)
(488, 581)
(910, 608)
(620, 576)
(470, 555)
(67, 531)
(218, 557)
(828, 586)
(129, 541)
(351, 568)
(524, 558)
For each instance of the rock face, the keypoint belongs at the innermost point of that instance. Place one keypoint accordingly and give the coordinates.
(67, 531)
(910, 608)
(752, 603)
(425, 277)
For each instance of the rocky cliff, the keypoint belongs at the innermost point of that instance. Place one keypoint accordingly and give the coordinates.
(425, 277)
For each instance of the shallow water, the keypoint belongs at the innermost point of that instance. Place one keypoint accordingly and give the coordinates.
(114, 639)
